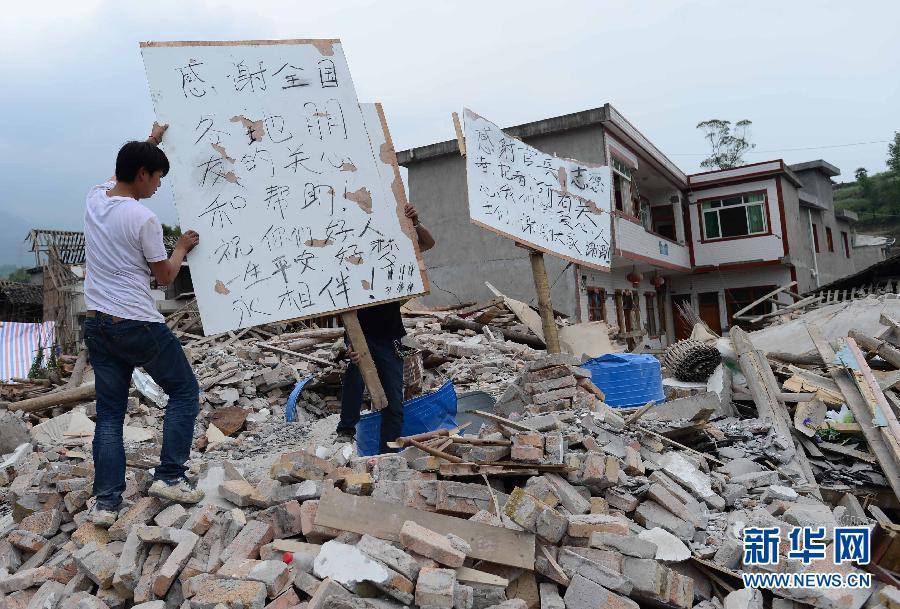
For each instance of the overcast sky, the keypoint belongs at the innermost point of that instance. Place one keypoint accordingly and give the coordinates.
(808, 74)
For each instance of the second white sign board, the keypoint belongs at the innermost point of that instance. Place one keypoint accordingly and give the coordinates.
(555, 205)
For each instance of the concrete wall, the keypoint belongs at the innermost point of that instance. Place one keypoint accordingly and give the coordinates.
(832, 265)
(466, 256)
(633, 242)
(760, 248)
(819, 185)
(864, 257)
(799, 239)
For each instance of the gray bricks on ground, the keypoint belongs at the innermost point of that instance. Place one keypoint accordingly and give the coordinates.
(47, 596)
(326, 589)
(142, 512)
(550, 598)
(97, 563)
(583, 593)
(184, 542)
(463, 596)
(247, 543)
(560, 382)
(568, 496)
(650, 514)
(393, 557)
(428, 543)
(630, 545)
(435, 588)
(535, 516)
(576, 564)
(173, 516)
(274, 574)
(210, 592)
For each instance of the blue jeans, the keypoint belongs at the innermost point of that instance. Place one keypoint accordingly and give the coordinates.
(390, 371)
(116, 348)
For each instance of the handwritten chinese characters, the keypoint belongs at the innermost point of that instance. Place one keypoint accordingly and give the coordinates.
(282, 172)
(555, 205)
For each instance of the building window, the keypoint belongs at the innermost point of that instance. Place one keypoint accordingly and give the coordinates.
(596, 304)
(650, 300)
(622, 188)
(829, 238)
(737, 216)
(663, 217)
(846, 241)
(815, 231)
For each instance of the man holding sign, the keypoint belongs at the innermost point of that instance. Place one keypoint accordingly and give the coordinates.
(124, 329)
(382, 326)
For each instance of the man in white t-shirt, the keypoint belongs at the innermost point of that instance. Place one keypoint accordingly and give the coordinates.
(124, 330)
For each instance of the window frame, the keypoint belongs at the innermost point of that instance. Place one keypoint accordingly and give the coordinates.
(815, 232)
(767, 218)
(846, 239)
(829, 237)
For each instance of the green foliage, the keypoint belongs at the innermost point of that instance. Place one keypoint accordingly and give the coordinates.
(14, 273)
(171, 231)
(893, 160)
(38, 371)
(728, 143)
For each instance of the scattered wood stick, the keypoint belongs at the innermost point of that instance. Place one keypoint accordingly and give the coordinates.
(434, 452)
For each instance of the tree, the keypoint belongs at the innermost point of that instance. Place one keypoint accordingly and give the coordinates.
(171, 231)
(728, 145)
(893, 160)
(21, 275)
(861, 174)
(865, 184)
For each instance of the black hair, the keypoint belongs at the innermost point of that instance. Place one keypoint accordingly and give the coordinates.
(134, 155)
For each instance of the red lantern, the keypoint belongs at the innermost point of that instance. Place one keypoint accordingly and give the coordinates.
(634, 277)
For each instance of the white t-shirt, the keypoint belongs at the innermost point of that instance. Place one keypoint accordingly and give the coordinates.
(121, 237)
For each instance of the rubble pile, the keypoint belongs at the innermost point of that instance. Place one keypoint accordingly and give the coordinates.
(554, 501)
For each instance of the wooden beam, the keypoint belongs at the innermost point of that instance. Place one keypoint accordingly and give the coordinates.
(860, 410)
(366, 363)
(762, 299)
(303, 356)
(542, 287)
(383, 519)
(56, 398)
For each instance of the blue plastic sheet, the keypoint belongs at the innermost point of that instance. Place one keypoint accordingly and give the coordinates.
(290, 410)
(436, 410)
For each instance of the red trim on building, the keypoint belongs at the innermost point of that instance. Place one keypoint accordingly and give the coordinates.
(784, 229)
(765, 194)
(735, 180)
(793, 273)
(686, 219)
(649, 260)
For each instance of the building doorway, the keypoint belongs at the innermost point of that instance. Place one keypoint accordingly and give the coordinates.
(709, 311)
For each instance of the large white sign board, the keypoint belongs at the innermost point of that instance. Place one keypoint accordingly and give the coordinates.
(292, 185)
(555, 205)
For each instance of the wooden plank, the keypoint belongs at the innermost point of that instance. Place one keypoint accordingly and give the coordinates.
(846, 451)
(797, 305)
(860, 410)
(763, 298)
(383, 519)
(542, 287)
(474, 576)
(366, 363)
(892, 434)
(460, 137)
(507, 422)
(303, 356)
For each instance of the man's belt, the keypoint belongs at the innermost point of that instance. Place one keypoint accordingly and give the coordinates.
(99, 313)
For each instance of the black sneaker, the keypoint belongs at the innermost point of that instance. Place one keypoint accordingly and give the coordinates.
(345, 436)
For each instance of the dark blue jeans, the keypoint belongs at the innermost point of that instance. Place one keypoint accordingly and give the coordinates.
(390, 371)
(116, 348)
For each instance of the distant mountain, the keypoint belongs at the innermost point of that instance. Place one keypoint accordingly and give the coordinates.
(14, 249)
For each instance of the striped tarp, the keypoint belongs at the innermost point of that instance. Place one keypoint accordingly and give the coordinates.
(19, 344)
